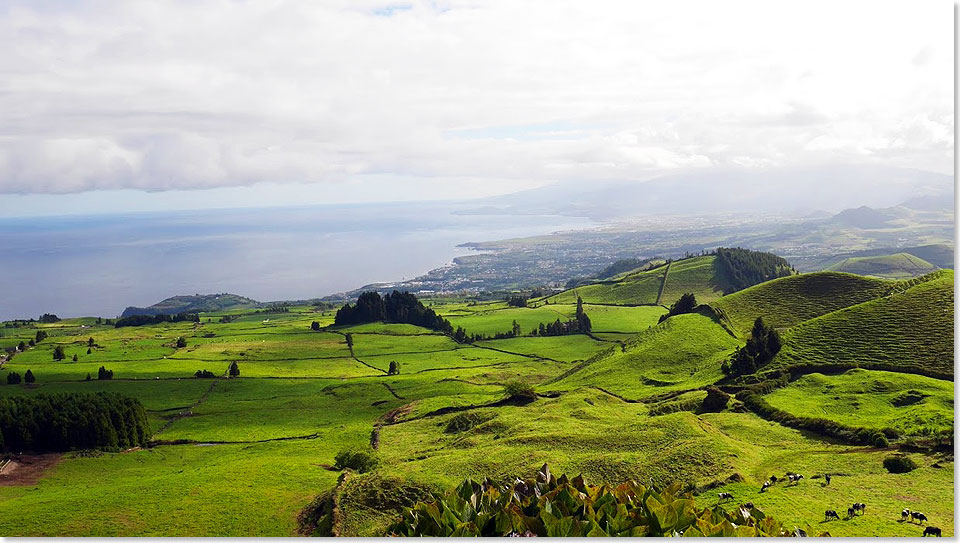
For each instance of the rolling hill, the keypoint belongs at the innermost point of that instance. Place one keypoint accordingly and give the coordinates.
(895, 266)
(909, 330)
(192, 304)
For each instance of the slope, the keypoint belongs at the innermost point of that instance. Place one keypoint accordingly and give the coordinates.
(791, 300)
(893, 266)
(192, 304)
(910, 330)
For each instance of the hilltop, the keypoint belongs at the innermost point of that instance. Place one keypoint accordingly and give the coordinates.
(708, 277)
(193, 304)
(895, 266)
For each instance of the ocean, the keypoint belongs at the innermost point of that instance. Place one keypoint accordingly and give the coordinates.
(97, 265)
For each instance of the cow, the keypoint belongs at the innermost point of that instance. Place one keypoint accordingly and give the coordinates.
(931, 530)
(725, 496)
(766, 485)
(773, 479)
(851, 512)
(827, 477)
(904, 515)
(748, 506)
(799, 532)
(861, 507)
(918, 516)
(830, 513)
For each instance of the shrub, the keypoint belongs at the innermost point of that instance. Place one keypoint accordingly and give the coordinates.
(465, 421)
(28, 378)
(58, 353)
(357, 460)
(899, 463)
(552, 507)
(13, 378)
(181, 342)
(204, 374)
(234, 370)
(519, 390)
(880, 441)
(715, 401)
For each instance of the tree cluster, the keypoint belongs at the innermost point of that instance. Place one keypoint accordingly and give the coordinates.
(204, 374)
(744, 268)
(41, 335)
(763, 345)
(66, 421)
(234, 370)
(142, 320)
(517, 301)
(49, 318)
(396, 307)
(103, 374)
(685, 304)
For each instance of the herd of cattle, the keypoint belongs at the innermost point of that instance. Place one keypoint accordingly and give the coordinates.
(852, 511)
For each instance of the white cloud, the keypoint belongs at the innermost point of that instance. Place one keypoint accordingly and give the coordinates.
(185, 95)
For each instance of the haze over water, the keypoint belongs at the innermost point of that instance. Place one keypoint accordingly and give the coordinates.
(98, 265)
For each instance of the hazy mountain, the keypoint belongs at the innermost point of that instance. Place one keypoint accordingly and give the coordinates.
(785, 190)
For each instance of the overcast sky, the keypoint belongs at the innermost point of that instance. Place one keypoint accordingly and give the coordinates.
(139, 104)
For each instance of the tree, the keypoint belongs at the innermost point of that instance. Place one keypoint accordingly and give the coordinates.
(41, 335)
(315, 326)
(394, 368)
(29, 378)
(516, 329)
(88, 377)
(58, 353)
(90, 342)
(103, 374)
(349, 338)
(579, 306)
(31, 343)
(234, 369)
(13, 378)
(74, 358)
(22, 347)
(181, 342)
(89, 351)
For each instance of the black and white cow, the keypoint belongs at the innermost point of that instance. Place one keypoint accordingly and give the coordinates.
(829, 514)
(725, 496)
(918, 516)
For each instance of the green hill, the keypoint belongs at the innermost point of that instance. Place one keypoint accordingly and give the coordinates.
(192, 304)
(895, 266)
(910, 330)
(685, 351)
(792, 300)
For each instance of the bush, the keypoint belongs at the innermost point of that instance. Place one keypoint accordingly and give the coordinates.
(715, 401)
(552, 507)
(899, 463)
(13, 378)
(880, 441)
(357, 460)
(58, 353)
(181, 342)
(28, 378)
(519, 390)
(204, 374)
(465, 421)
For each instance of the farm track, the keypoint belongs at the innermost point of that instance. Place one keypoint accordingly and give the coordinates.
(189, 411)
(663, 284)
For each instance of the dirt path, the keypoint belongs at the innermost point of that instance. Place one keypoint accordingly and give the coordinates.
(188, 411)
(27, 469)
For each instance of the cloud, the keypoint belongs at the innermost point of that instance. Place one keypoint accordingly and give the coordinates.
(190, 95)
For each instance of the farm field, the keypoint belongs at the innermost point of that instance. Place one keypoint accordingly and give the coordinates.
(247, 455)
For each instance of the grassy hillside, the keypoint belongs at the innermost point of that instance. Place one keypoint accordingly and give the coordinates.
(791, 300)
(895, 266)
(912, 329)
(910, 404)
(685, 351)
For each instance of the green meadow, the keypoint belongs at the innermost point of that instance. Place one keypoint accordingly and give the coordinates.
(245, 456)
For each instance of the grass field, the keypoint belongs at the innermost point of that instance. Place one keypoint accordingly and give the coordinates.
(243, 456)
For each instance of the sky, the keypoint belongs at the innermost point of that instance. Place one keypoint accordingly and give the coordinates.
(141, 105)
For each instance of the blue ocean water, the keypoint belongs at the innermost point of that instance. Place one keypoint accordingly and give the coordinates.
(97, 265)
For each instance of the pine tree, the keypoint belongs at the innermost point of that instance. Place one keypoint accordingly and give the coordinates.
(29, 378)
(234, 370)
(58, 353)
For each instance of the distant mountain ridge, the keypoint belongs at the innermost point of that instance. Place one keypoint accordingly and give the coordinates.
(195, 303)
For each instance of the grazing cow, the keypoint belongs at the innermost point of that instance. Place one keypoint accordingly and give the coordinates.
(773, 479)
(748, 506)
(830, 513)
(725, 496)
(851, 512)
(904, 515)
(931, 530)
(918, 516)
(827, 477)
(861, 507)
(799, 532)
(766, 485)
